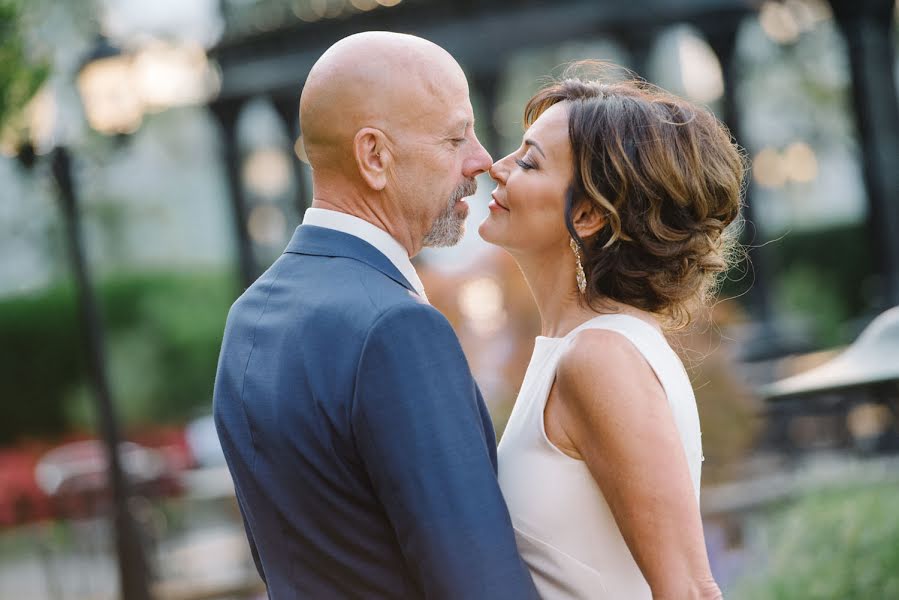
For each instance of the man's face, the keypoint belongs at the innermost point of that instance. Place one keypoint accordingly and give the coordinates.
(438, 158)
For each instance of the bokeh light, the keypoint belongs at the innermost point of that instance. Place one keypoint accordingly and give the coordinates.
(112, 103)
(800, 162)
(700, 70)
(365, 5)
(778, 22)
(266, 172)
(481, 302)
(168, 75)
(797, 163)
(767, 168)
(267, 225)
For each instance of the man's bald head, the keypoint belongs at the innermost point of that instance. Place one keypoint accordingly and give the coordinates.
(389, 131)
(378, 79)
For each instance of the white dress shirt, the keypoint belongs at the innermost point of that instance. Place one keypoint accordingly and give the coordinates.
(374, 235)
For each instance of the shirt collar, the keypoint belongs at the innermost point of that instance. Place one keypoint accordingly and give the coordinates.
(374, 235)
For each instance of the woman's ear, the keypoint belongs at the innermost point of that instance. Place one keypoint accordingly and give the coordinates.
(587, 219)
(371, 157)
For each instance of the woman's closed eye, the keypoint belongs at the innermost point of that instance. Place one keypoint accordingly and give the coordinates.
(524, 164)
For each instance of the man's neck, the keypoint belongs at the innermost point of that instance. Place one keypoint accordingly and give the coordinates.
(369, 212)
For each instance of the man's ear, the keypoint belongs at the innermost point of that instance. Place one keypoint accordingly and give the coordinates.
(371, 156)
(587, 219)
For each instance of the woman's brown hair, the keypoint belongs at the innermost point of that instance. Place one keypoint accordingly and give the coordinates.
(667, 178)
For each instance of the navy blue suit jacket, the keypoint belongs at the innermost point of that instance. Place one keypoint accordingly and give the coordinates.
(362, 454)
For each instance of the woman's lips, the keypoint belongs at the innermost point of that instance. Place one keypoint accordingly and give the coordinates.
(497, 202)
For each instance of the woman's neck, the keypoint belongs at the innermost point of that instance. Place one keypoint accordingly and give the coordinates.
(552, 282)
(551, 279)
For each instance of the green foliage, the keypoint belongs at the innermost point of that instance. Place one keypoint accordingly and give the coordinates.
(38, 360)
(827, 276)
(19, 77)
(836, 544)
(163, 331)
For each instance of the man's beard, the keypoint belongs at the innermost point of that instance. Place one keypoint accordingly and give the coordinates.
(449, 227)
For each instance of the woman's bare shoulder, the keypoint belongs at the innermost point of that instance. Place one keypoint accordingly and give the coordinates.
(601, 369)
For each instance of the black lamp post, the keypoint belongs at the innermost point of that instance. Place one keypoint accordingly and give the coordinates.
(104, 61)
(134, 581)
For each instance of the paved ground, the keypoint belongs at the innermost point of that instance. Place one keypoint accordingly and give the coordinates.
(193, 563)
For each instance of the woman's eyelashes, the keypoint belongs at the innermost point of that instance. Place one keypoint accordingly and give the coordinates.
(524, 164)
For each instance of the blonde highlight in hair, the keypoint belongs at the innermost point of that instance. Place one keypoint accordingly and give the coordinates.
(667, 179)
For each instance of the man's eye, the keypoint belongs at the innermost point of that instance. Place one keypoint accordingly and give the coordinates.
(458, 141)
(524, 165)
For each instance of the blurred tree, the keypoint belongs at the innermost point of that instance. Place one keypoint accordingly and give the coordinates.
(20, 77)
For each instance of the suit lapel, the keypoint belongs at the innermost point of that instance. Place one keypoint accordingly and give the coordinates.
(321, 241)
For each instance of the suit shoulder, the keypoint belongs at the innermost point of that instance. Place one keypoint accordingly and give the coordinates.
(361, 284)
(414, 316)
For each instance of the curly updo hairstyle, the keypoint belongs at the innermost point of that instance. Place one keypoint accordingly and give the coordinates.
(668, 180)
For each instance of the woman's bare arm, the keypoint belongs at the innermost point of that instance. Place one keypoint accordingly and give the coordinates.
(615, 413)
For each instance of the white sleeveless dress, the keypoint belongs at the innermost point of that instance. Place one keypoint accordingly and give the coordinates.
(563, 525)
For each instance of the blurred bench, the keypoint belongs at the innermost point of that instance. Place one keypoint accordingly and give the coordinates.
(851, 402)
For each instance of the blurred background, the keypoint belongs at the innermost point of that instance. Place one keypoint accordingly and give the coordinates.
(151, 167)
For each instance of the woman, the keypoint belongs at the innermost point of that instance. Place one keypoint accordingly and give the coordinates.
(615, 208)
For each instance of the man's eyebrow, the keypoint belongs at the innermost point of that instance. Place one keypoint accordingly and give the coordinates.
(463, 125)
(535, 145)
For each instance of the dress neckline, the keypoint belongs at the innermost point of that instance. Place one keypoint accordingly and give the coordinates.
(584, 325)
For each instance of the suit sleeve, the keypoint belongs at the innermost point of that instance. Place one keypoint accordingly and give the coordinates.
(417, 418)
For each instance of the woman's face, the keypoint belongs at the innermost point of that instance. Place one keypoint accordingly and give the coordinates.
(527, 213)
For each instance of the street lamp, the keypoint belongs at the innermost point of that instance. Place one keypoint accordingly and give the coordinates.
(45, 129)
(132, 561)
(112, 108)
(116, 90)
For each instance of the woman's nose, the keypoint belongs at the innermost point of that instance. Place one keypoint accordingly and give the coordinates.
(497, 173)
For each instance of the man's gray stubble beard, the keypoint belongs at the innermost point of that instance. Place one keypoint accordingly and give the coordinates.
(448, 228)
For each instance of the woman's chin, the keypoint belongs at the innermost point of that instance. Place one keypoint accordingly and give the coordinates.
(488, 233)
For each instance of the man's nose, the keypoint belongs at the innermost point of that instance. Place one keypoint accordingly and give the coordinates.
(479, 162)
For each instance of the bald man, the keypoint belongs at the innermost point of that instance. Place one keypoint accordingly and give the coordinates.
(362, 454)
